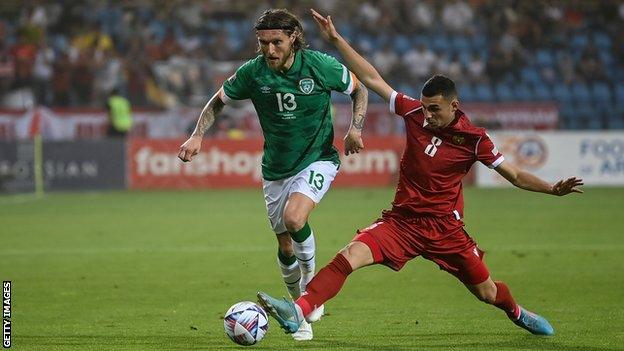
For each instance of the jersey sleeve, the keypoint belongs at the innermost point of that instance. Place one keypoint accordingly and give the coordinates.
(402, 104)
(487, 152)
(337, 76)
(237, 86)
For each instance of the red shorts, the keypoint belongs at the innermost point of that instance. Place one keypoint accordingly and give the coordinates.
(394, 241)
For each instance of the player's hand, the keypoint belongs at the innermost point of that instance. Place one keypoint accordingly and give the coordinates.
(190, 148)
(353, 142)
(326, 26)
(567, 186)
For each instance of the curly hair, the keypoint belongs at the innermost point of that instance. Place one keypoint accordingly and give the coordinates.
(284, 20)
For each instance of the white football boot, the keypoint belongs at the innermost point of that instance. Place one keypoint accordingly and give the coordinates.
(304, 333)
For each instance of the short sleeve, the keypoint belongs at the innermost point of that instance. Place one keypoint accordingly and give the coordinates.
(487, 152)
(237, 86)
(403, 105)
(337, 76)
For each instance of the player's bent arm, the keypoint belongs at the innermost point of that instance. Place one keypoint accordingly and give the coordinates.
(359, 97)
(208, 114)
(192, 146)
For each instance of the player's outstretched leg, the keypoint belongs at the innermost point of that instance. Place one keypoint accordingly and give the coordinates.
(534, 323)
(286, 312)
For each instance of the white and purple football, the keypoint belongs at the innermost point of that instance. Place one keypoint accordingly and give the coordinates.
(245, 323)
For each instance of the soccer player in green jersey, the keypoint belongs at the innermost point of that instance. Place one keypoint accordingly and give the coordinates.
(290, 88)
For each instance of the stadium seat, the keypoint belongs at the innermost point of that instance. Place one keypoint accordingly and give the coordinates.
(523, 92)
(441, 43)
(579, 42)
(479, 42)
(504, 92)
(466, 92)
(615, 121)
(619, 93)
(562, 93)
(542, 92)
(402, 44)
(602, 41)
(544, 58)
(530, 75)
(580, 92)
(601, 93)
(484, 93)
(460, 44)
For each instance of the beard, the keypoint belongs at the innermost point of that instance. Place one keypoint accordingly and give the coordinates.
(278, 64)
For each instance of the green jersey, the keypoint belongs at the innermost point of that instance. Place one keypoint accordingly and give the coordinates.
(293, 108)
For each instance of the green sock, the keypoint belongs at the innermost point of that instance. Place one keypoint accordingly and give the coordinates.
(285, 260)
(302, 234)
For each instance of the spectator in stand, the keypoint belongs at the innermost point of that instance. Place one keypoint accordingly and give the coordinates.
(419, 62)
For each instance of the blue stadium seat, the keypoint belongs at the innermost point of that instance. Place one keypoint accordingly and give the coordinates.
(465, 57)
(602, 41)
(595, 122)
(531, 75)
(544, 58)
(460, 44)
(563, 93)
(601, 93)
(441, 43)
(522, 92)
(542, 92)
(571, 120)
(504, 92)
(483, 92)
(479, 42)
(619, 93)
(579, 41)
(466, 92)
(616, 121)
(402, 44)
(580, 92)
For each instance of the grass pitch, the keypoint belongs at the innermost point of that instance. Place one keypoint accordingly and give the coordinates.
(157, 270)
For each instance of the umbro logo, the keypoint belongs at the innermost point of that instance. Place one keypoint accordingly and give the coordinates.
(265, 89)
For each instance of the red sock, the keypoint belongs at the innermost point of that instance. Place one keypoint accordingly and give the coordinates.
(325, 284)
(505, 301)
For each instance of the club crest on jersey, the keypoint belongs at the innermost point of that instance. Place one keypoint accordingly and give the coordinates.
(306, 85)
(458, 140)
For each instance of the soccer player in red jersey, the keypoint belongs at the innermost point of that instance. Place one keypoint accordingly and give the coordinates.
(426, 215)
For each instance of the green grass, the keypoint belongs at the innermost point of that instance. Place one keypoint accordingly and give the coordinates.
(157, 270)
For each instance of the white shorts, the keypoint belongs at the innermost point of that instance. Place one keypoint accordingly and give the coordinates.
(313, 182)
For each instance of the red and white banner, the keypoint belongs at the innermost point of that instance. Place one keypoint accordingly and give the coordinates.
(154, 164)
(70, 124)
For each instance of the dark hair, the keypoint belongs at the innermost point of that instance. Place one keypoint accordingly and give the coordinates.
(437, 85)
(284, 20)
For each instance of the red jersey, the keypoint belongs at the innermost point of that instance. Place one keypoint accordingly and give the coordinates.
(436, 160)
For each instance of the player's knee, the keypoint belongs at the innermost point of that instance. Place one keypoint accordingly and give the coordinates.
(294, 221)
(358, 254)
(487, 295)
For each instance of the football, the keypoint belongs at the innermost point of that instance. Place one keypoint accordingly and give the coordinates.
(245, 323)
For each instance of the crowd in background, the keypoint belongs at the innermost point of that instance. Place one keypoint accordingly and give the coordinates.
(168, 53)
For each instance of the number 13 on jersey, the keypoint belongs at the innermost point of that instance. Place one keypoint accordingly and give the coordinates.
(286, 101)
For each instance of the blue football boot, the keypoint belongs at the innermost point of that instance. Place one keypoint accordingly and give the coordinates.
(284, 311)
(534, 323)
